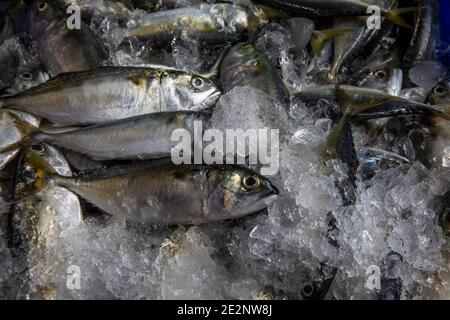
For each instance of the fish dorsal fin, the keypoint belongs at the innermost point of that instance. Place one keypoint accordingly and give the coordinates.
(80, 76)
(343, 99)
(122, 169)
(347, 105)
(320, 37)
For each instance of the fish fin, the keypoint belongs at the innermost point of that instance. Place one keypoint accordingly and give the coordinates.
(320, 37)
(272, 13)
(364, 106)
(344, 100)
(27, 130)
(348, 106)
(330, 149)
(138, 80)
(260, 14)
(394, 15)
(24, 127)
(215, 68)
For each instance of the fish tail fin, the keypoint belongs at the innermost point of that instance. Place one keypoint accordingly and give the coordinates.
(320, 37)
(395, 15)
(269, 13)
(214, 71)
(349, 107)
(344, 100)
(23, 126)
(259, 15)
(42, 169)
(27, 131)
(330, 149)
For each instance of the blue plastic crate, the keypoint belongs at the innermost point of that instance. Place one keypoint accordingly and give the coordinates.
(443, 43)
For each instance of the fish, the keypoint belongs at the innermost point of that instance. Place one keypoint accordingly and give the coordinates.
(379, 48)
(349, 45)
(162, 193)
(245, 65)
(111, 93)
(335, 8)
(106, 8)
(421, 45)
(60, 48)
(389, 105)
(141, 137)
(39, 223)
(208, 23)
(10, 136)
(339, 145)
(19, 67)
(345, 44)
(389, 80)
(151, 6)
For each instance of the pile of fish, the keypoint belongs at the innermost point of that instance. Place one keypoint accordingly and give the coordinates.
(92, 205)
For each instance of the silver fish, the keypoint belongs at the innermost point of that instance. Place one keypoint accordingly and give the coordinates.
(209, 23)
(167, 194)
(141, 137)
(112, 93)
(387, 106)
(39, 224)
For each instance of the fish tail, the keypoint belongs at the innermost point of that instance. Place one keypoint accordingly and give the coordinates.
(27, 131)
(395, 15)
(320, 37)
(268, 13)
(349, 108)
(344, 100)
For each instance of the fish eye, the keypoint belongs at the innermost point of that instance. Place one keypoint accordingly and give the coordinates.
(38, 147)
(27, 76)
(197, 82)
(439, 90)
(381, 74)
(42, 6)
(307, 290)
(251, 182)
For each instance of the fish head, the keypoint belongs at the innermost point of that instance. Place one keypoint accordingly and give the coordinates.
(241, 65)
(184, 91)
(46, 9)
(245, 65)
(386, 79)
(39, 15)
(51, 155)
(440, 94)
(234, 192)
(29, 76)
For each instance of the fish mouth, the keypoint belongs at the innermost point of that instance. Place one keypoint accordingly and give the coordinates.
(211, 99)
(256, 206)
(274, 189)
